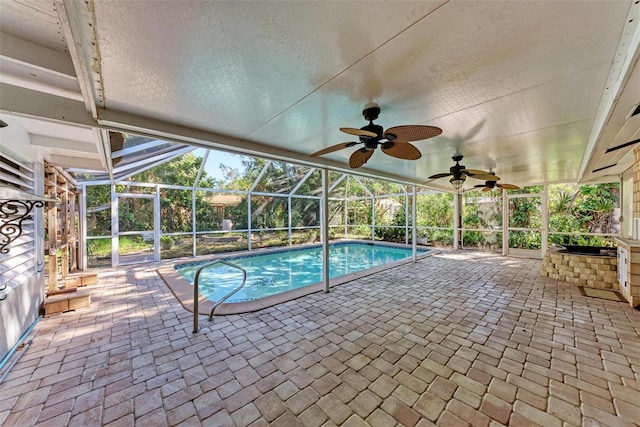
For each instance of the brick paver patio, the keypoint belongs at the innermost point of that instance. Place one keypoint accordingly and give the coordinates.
(456, 339)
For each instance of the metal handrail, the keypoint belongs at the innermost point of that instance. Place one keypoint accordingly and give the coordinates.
(223, 299)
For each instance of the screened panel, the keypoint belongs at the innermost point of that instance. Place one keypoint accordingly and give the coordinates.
(305, 212)
(98, 210)
(359, 232)
(525, 212)
(337, 184)
(179, 171)
(227, 171)
(355, 188)
(359, 212)
(482, 210)
(391, 219)
(435, 236)
(280, 177)
(482, 240)
(135, 248)
(336, 212)
(129, 187)
(177, 246)
(525, 240)
(220, 243)
(135, 214)
(269, 212)
(312, 186)
(269, 238)
(381, 188)
(175, 210)
(534, 189)
(584, 208)
(434, 210)
(98, 253)
(391, 234)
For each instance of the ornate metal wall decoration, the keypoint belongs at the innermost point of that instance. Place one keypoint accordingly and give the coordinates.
(12, 214)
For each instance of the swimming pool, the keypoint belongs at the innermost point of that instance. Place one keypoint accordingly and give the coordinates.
(281, 271)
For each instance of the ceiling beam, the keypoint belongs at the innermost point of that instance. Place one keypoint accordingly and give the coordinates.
(76, 162)
(63, 144)
(27, 52)
(30, 103)
(152, 128)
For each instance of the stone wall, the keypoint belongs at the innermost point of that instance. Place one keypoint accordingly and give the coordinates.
(592, 271)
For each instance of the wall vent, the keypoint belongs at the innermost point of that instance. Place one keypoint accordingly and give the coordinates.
(626, 144)
(603, 168)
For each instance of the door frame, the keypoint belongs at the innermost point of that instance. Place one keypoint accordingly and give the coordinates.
(543, 229)
(115, 225)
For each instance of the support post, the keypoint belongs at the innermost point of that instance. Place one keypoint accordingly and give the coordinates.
(64, 231)
(457, 220)
(289, 216)
(324, 222)
(156, 225)
(505, 224)
(414, 227)
(193, 219)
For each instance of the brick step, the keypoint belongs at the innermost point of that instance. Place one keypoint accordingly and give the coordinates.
(81, 279)
(60, 303)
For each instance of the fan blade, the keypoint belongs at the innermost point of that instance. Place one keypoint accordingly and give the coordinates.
(359, 158)
(358, 132)
(402, 150)
(508, 186)
(480, 186)
(478, 174)
(413, 132)
(333, 148)
(440, 175)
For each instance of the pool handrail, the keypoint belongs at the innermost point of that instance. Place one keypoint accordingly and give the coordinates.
(223, 299)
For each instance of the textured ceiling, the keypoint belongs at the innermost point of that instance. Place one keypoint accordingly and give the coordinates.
(533, 90)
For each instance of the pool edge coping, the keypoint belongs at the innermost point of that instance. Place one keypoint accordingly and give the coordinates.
(183, 290)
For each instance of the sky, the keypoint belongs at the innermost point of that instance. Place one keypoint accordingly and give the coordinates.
(219, 157)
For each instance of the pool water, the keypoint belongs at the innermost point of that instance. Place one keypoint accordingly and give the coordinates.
(282, 271)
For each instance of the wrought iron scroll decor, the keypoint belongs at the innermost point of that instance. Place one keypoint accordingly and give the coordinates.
(12, 214)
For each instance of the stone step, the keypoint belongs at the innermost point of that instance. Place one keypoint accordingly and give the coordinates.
(60, 303)
(81, 279)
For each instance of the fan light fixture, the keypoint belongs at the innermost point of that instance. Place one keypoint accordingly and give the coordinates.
(457, 182)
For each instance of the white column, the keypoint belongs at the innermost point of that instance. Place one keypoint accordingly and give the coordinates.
(289, 216)
(324, 223)
(505, 223)
(193, 219)
(156, 225)
(115, 255)
(457, 220)
(545, 221)
(414, 228)
(83, 228)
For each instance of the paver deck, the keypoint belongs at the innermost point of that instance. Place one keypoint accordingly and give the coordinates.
(456, 339)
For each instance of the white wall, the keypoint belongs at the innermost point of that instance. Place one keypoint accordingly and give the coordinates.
(22, 270)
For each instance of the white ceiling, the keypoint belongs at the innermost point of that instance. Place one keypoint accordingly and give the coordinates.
(535, 90)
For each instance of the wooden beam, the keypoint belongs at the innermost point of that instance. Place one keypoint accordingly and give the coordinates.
(52, 232)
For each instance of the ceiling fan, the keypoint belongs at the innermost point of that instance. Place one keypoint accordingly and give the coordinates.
(491, 184)
(394, 141)
(459, 173)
